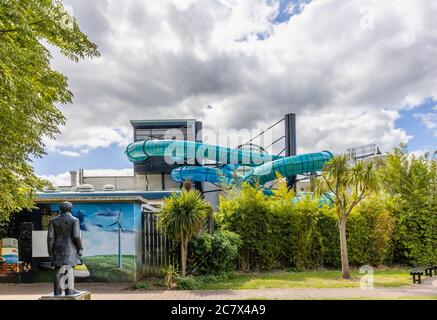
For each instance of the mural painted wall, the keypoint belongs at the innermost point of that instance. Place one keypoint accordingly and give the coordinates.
(100, 224)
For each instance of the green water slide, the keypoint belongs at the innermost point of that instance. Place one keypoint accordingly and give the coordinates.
(189, 150)
(265, 167)
(288, 167)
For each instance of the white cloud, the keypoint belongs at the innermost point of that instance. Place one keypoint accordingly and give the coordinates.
(62, 179)
(170, 60)
(98, 242)
(420, 152)
(69, 153)
(82, 139)
(108, 172)
(429, 120)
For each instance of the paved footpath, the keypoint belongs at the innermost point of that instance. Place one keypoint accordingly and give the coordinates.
(122, 291)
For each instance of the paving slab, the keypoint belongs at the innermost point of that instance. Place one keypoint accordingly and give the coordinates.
(124, 291)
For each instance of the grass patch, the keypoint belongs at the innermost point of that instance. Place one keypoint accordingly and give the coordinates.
(396, 277)
(383, 277)
(150, 284)
(391, 298)
(104, 268)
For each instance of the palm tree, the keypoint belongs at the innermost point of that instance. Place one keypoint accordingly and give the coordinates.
(350, 183)
(181, 217)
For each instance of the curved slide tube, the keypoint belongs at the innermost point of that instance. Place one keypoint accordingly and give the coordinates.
(327, 198)
(203, 174)
(265, 166)
(287, 167)
(189, 150)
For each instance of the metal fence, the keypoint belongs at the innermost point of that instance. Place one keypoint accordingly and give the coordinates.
(363, 151)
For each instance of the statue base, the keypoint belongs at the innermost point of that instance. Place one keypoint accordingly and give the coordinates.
(80, 295)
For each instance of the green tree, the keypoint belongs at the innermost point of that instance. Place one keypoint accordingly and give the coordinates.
(181, 217)
(350, 183)
(370, 231)
(30, 89)
(412, 183)
(247, 212)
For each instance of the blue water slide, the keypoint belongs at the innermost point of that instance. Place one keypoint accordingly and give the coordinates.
(327, 198)
(265, 167)
(287, 167)
(189, 150)
(203, 174)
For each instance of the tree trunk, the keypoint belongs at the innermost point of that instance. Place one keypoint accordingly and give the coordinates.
(187, 185)
(183, 256)
(211, 223)
(343, 249)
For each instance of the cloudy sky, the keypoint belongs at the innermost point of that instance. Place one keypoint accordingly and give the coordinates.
(354, 72)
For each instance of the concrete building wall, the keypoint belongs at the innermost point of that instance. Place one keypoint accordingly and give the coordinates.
(138, 182)
(303, 186)
(170, 184)
(152, 181)
(211, 197)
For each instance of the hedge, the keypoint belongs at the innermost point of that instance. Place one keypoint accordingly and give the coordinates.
(214, 253)
(304, 235)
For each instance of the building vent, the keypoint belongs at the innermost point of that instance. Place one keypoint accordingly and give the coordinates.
(50, 190)
(85, 188)
(109, 187)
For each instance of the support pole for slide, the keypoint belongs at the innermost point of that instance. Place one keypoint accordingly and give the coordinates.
(199, 137)
(290, 143)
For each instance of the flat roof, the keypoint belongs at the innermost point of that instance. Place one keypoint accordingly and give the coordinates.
(160, 122)
(102, 196)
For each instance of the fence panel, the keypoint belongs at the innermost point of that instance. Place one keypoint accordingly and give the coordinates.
(156, 246)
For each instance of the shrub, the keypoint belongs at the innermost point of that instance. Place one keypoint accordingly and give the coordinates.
(412, 183)
(214, 253)
(330, 239)
(296, 228)
(370, 231)
(144, 285)
(187, 283)
(280, 232)
(170, 274)
(304, 234)
(247, 213)
(198, 282)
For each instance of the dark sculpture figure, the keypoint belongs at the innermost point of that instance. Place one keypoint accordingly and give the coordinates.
(64, 246)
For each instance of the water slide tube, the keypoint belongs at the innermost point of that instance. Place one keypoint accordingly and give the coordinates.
(287, 167)
(203, 174)
(265, 166)
(189, 150)
(327, 198)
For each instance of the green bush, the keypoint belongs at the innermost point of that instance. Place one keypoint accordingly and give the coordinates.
(197, 282)
(398, 225)
(370, 232)
(248, 214)
(412, 183)
(304, 234)
(330, 238)
(278, 231)
(187, 283)
(295, 226)
(144, 285)
(214, 253)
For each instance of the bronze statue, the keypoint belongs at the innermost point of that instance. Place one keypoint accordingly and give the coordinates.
(64, 246)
